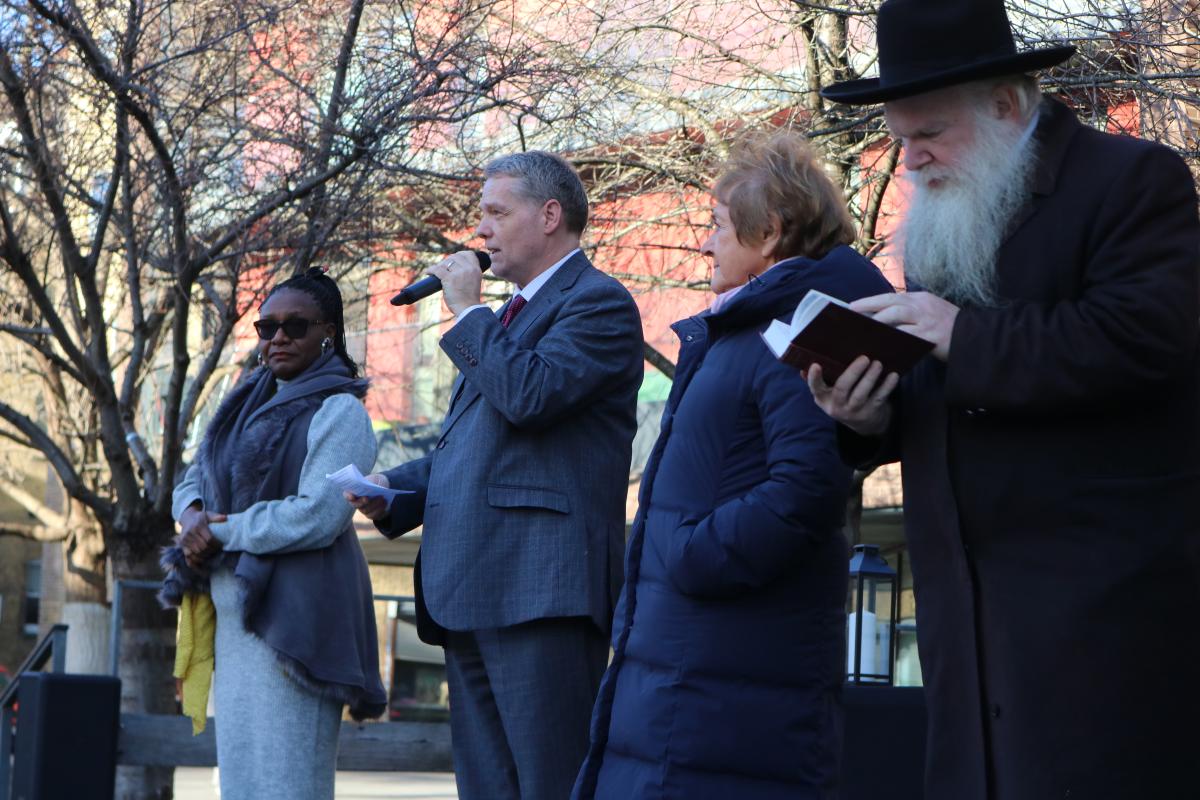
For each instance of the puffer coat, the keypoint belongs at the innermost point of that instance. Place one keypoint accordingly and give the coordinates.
(729, 636)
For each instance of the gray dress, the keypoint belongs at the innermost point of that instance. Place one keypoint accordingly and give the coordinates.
(276, 738)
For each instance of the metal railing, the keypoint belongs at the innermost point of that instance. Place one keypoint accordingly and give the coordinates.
(119, 587)
(407, 746)
(52, 647)
(114, 626)
(167, 740)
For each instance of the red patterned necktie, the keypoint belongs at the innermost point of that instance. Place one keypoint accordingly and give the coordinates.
(514, 308)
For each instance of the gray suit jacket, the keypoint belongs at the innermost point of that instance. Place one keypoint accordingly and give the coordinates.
(523, 497)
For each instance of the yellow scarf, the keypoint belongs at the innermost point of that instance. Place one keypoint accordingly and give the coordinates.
(194, 656)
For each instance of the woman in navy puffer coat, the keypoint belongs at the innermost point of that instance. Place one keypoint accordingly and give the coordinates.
(729, 636)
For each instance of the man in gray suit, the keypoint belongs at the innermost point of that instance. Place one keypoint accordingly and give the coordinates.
(523, 498)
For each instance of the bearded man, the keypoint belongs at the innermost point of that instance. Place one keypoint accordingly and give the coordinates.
(1051, 442)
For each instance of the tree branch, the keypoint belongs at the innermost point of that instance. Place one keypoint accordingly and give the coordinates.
(658, 360)
(36, 533)
(61, 462)
(45, 515)
(318, 226)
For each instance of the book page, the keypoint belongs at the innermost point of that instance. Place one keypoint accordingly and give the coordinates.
(810, 306)
(804, 312)
(777, 336)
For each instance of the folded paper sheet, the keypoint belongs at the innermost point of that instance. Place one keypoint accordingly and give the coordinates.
(349, 479)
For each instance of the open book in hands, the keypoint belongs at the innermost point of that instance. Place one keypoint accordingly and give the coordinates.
(825, 331)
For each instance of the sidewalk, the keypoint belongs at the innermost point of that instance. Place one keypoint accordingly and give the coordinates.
(195, 783)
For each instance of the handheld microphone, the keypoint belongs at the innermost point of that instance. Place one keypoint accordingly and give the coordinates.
(431, 283)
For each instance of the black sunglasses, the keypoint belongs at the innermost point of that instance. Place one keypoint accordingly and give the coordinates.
(293, 328)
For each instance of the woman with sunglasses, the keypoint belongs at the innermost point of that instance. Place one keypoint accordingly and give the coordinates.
(269, 539)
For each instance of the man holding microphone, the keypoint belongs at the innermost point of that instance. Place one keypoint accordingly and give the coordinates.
(522, 501)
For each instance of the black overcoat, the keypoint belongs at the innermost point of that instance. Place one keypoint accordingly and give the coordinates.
(1051, 468)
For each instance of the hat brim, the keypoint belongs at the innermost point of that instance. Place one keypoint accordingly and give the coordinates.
(867, 91)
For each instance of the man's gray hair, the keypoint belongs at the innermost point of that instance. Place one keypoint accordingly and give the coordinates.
(546, 176)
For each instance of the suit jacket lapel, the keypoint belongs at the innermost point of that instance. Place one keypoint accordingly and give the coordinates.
(549, 295)
(465, 398)
(455, 393)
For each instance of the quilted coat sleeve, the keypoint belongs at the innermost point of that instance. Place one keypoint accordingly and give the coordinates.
(748, 541)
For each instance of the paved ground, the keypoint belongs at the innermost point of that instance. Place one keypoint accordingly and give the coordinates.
(196, 783)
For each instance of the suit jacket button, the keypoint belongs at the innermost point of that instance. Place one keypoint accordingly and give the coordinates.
(474, 362)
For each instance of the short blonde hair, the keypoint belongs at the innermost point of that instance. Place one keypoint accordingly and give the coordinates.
(778, 178)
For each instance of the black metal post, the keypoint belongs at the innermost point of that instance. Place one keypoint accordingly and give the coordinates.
(52, 648)
(114, 626)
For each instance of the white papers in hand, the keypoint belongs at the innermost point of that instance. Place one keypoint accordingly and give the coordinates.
(349, 479)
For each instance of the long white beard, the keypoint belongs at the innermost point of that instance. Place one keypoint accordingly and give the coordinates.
(952, 233)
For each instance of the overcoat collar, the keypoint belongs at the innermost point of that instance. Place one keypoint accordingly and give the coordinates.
(1056, 128)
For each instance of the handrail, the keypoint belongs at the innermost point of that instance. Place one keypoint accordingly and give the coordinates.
(399, 598)
(114, 627)
(429, 741)
(53, 645)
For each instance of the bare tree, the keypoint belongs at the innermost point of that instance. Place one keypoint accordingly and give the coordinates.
(160, 163)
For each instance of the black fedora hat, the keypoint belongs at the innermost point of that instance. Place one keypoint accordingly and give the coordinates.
(931, 44)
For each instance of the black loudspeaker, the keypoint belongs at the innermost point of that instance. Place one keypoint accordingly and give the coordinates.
(66, 737)
(883, 745)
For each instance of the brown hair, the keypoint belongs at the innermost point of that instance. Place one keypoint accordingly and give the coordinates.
(777, 177)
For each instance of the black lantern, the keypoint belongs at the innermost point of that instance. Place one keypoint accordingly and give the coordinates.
(871, 622)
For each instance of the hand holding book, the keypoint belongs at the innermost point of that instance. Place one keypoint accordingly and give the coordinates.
(826, 331)
(923, 314)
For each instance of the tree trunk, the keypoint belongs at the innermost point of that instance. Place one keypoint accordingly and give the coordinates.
(80, 565)
(146, 660)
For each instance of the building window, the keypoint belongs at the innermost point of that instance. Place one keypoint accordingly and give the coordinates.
(33, 597)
